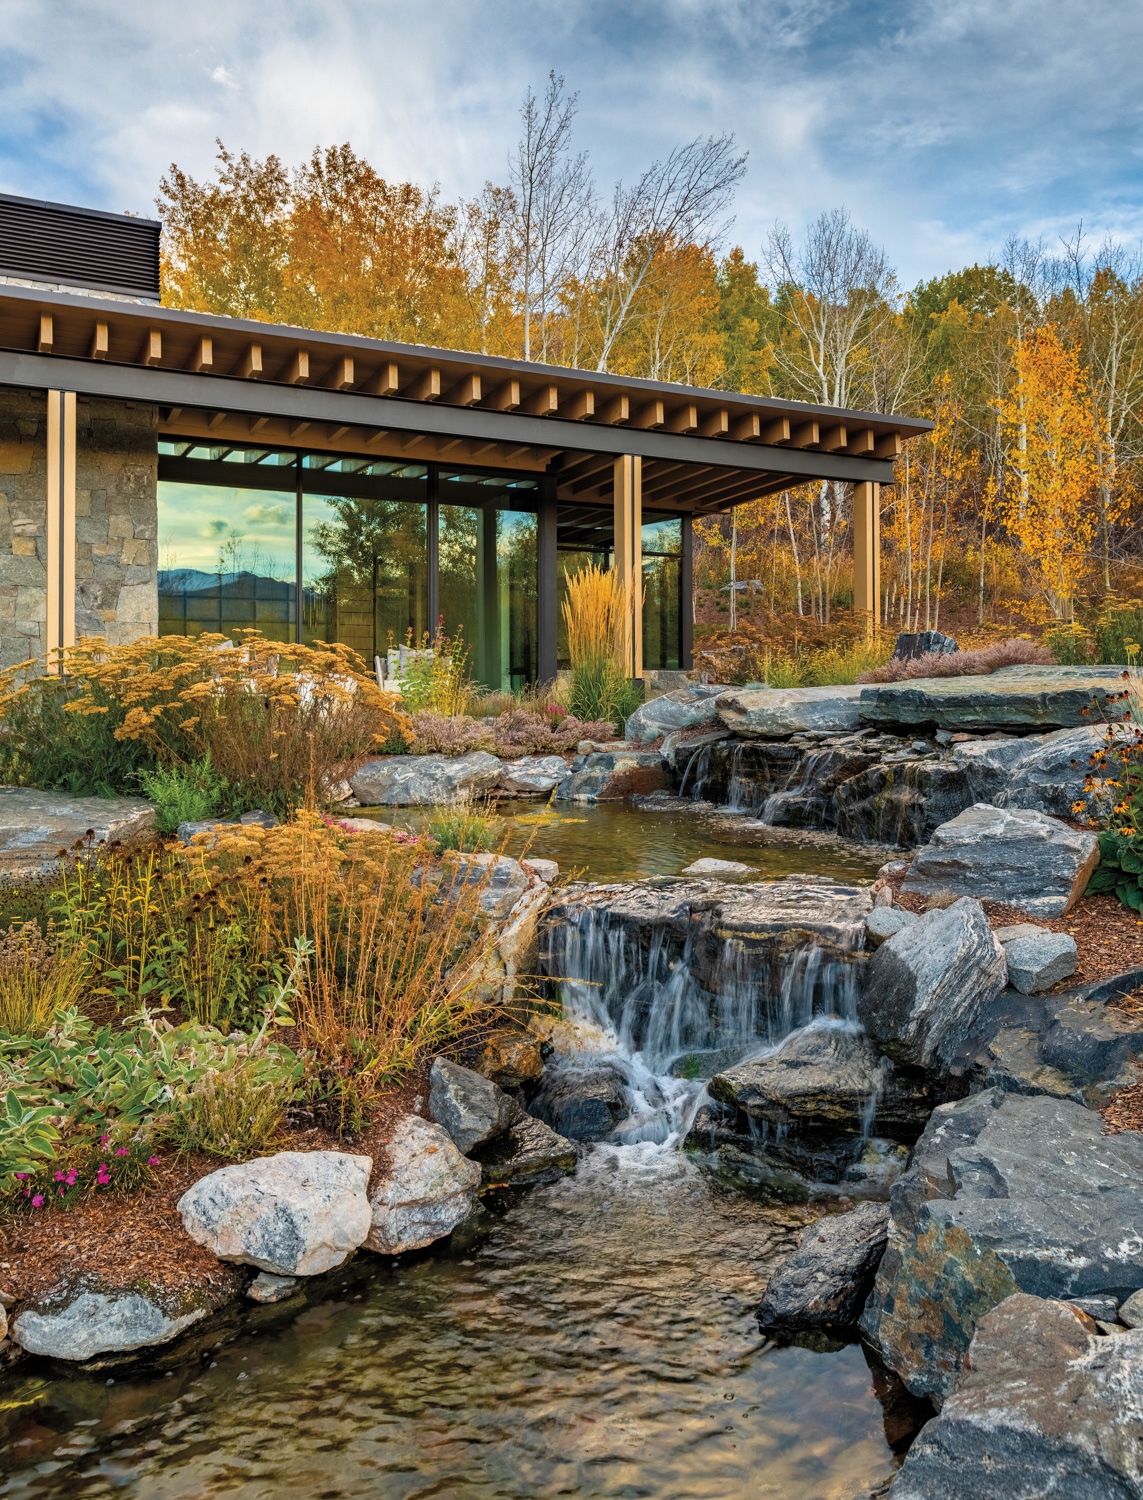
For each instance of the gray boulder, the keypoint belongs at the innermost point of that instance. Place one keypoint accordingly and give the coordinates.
(755, 713)
(910, 645)
(470, 1108)
(883, 922)
(1036, 963)
(611, 775)
(669, 712)
(526, 1155)
(1049, 776)
(1024, 859)
(717, 867)
(427, 1190)
(927, 986)
(1004, 1193)
(35, 826)
(298, 1213)
(425, 780)
(1131, 1311)
(1045, 1408)
(825, 1282)
(94, 1323)
(582, 1103)
(533, 775)
(1018, 698)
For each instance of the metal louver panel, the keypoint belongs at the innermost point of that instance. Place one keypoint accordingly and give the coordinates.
(79, 247)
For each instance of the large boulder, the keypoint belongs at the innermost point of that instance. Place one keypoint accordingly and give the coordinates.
(472, 1109)
(927, 986)
(83, 1326)
(1049, 776)
(825, 1282)
(669, 712)
(425, 780)
(759, 713)
(426, 1191)
(1004, 1193)
(582, 1103)
(1019, 698)
(527, 1154)
(532, 775)
(298, 1213)
(611, 775)
(1045, 1408)
(1021, 858)
(36, 826)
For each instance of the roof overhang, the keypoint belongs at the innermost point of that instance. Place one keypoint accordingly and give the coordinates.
(238, 380)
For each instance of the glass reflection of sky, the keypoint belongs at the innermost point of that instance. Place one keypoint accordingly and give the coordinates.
(229, 530)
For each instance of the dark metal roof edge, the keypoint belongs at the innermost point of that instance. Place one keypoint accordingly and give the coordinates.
(380, 348)
(86, 213)
(144, 293)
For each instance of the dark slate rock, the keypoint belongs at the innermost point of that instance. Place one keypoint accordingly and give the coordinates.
(1018, 698)
(528, 1153)
(1045, 1408)
(923, 643)
(584, 1104)
(825, 1282)
(471, 1108)
(1004, 1193)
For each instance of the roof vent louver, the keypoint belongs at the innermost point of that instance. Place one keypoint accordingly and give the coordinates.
(57, 244)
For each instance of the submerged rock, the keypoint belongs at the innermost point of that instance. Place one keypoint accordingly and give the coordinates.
(35, 826)
(426, 1191)
(1024, 859)
(93, 1323)
(582, 1103)
(1004, 1193)
(825, 1282)
(717, 867)
(268, 1289)
(928, 985)
(425, 780)
(1044, 1407)
(776, 712)
(298, 1213)
(526, 1155)
(471, 1108)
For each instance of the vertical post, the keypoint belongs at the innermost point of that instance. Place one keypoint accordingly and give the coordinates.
(488, 669)
(547, 609)
(433, 544)
(686, 598)
(629, 554)
(866, 552)
(299, 591)
(61, 523)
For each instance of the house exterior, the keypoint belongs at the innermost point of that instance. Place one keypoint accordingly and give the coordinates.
(167, 472)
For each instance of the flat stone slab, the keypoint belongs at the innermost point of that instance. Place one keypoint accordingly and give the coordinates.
(35, 826)
(1027, 698)
(760, 713)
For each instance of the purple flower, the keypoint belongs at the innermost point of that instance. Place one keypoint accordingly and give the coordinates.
(152, 1161)
(122, 1151)
(38, 1201)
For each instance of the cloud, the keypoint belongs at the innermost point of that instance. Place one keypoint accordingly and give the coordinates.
(943, 125)
(214, 529)
(270, 515)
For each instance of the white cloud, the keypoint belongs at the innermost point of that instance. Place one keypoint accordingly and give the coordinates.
(224, 76)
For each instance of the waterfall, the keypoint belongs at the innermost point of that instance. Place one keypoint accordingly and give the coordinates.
(799, 791)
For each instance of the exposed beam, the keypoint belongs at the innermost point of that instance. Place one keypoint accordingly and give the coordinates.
(861, 442)
(465, 392)
(249, 367)
(448, 444)
(683, 419)
(385, 382)
(413, 439)
(660, 484)
(257, 423)
(483, 448)
(202, 356)
(614, 411)
(584, 466)
(335, 434)
(340, 377)
(747, 429)
(426, 387)
(152, 350)
(648, 416)
(505, 397)
(375, 437)
(297, 372)
(544, 402)
(715, 424)
(297, 428)
(173, 414)
(217, 418)
(805, 435)
(516, 452)
(775, 433)
(833, 439)
(888, 446)
(580, 407)
(99, 342)
(45, 340)
(717, 497)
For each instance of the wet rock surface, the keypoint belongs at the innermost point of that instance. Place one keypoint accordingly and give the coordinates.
(609, 776)
(532, 775)
(425, 780)
(1022, 858)
(298, 1213)
(1004, 1193)
(426, 1191)
(526, 1155)
(825, 1283)
(581, 1103)
(684, 708)
(36, 825)
(88, 1323)
(1044, 1407)
(928, 985)
(471, 1108)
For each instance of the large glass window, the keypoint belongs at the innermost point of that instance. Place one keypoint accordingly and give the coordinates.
(365, 559)
(662, 586)
(585, 537)
(487, 571)
(227, 551)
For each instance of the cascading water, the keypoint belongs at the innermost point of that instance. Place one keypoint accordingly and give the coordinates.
(670, 990)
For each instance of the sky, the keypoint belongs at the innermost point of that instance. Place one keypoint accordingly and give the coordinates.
(944, 126)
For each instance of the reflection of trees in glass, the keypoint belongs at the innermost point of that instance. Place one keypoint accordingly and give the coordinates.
(375, 578)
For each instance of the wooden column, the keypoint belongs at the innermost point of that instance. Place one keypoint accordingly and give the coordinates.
(61, 521)
(867, 551)
(628, 555)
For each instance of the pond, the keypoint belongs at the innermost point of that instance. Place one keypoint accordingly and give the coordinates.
(594, 1338)
(611, 841)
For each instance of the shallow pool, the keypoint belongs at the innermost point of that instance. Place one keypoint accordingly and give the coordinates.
(595, 1339)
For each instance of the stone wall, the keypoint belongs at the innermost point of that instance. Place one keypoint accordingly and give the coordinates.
(116, 522)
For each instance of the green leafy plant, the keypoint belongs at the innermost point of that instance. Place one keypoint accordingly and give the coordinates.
(1120, 870)
(185, 793)
(437, 678)
(44, 745)
(464, 827)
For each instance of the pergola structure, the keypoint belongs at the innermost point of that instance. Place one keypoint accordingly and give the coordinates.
(598, 442)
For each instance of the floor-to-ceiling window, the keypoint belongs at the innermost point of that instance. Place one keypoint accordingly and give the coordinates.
(662, 594)
(585, 537)
(487, 570)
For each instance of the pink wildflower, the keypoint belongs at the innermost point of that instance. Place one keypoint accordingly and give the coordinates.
(152, 1161)
(21, 1175)
(38, 1201)
(122, 1151)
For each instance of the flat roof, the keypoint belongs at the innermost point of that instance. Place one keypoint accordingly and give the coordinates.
(239, 379)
